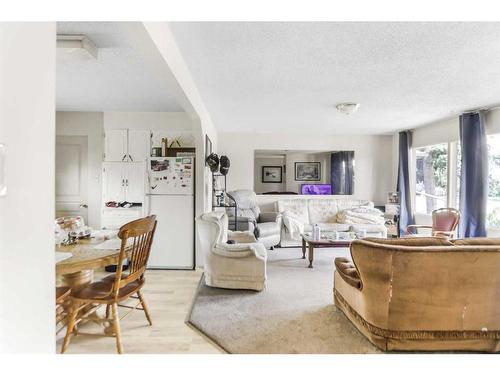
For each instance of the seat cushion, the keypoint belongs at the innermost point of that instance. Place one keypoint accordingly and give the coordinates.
(369, 228)
(268, 229)
(348, 272)
(328, 227)
(101, 289)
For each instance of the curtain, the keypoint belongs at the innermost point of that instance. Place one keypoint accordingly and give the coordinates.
(342, 172)
(473, 176)
(406, 216)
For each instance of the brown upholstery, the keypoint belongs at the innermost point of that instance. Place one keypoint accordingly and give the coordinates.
(348, 272)
(477, 241)
(424, 298)
(413, 241)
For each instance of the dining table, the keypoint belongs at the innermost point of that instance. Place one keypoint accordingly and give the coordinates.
(87, 255)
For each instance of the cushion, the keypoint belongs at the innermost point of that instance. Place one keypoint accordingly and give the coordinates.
(268, 229)
(298, 207)
(328, 227)
(369, 228)
(348, 272)
(322, 210)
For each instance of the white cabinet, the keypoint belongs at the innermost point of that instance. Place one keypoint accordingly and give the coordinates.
(114, 218)
(115, 145)
(127, 145)
(113, 182)
(139, 145)
(135, 179)
(123, 182)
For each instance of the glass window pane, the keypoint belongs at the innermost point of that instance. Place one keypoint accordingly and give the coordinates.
(431, 178)
(493, 206)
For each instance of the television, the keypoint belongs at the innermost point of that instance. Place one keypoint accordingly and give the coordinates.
(316, 189)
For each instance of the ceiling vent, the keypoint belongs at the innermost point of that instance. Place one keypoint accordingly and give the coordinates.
(76, 47)
(347, 108)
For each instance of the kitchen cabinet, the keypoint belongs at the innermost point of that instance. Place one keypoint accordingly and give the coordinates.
(123, 182)
(115, 145)
(139, 145)
(127, 145)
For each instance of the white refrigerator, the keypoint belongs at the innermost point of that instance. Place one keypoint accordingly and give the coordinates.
(170, 196)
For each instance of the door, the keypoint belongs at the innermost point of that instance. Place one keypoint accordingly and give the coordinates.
(139, 145)
(115, 145)
(135, 175)
(173, 244)
(113, 181)
(71, 176)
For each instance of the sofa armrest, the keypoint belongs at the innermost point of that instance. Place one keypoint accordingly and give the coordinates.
(268, 217)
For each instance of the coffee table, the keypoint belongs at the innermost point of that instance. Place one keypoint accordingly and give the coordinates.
(311, 243)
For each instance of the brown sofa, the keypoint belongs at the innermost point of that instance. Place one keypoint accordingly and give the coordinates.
(423, 294)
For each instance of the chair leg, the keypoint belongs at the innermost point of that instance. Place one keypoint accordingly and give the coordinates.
(116, 328)
(108, 311)
(71, 326)
(145, 307)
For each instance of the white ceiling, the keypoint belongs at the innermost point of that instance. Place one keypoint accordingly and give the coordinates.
(119, 80)
(287, 77)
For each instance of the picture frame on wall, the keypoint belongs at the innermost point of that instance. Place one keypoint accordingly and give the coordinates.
(208, 147)
(272, 174)
(307, 171)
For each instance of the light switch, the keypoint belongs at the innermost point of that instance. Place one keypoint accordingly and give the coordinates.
(3, 180)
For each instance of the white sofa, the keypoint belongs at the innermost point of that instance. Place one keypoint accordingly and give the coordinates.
(241, 265)
(323, 212)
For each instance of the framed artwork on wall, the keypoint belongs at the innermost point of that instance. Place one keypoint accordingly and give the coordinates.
(272, 174)
(208, 147)
(307, 171)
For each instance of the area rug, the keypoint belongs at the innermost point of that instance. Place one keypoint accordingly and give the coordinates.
(294, 314)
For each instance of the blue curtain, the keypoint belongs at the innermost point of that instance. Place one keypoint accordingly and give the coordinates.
(406, 216)
(474, 175)
(342, 172)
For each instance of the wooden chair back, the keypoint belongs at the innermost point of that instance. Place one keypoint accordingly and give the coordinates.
(137, 238)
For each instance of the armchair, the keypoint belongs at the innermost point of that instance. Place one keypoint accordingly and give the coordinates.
(264, 225)
(444, 223)
(239, 265)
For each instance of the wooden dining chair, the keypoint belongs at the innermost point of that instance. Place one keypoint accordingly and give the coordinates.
(136, 239)
(62, 302)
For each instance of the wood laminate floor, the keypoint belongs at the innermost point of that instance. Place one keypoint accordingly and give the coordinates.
(169, 295)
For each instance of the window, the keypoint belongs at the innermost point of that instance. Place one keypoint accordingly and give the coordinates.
(493, 205)
(431, 178)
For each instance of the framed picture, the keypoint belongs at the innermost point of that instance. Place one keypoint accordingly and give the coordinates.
(208, 147)
(272, 174)
(307, 171)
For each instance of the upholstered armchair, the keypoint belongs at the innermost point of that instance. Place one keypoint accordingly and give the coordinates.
(264, 225)
(238, 265)
(444, 223)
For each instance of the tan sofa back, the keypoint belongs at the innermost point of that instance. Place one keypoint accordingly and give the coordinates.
(428, 284)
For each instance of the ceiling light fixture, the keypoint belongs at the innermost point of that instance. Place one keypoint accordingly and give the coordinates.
(76, 46)
(347, 108)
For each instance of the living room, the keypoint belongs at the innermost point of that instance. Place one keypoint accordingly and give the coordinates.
(250, 187)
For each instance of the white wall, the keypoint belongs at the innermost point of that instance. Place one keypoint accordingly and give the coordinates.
(261, 187)
(175, 121)
(27, 128)
(89, 124)
(373, 155)
(294, 157)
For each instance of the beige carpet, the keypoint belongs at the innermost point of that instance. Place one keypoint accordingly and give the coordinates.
(295, 314)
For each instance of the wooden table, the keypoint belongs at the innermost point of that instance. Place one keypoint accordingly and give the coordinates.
(78, 270)
(307, 240)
